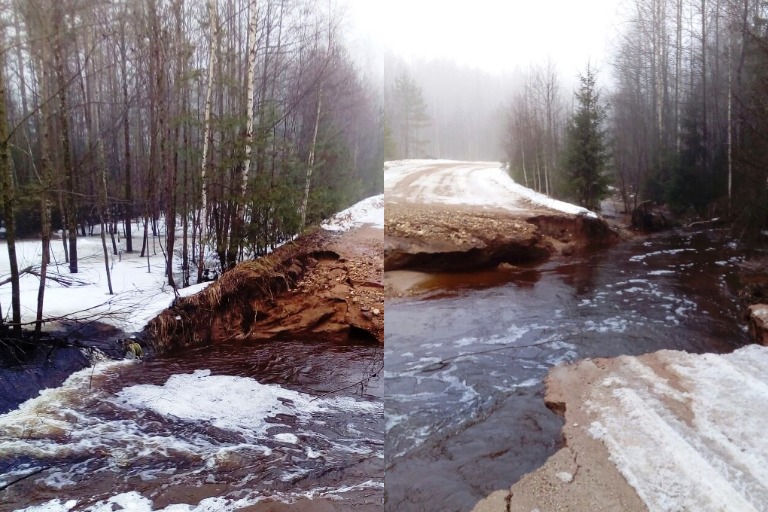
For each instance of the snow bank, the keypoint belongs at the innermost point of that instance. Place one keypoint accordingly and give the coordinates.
(369, 211)
(541, 199)
(688, 431)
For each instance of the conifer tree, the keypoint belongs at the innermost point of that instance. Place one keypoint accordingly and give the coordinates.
(586, 156)
(410, 115)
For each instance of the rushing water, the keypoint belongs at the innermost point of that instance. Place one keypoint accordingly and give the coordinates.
(221, 427)
(463, 370)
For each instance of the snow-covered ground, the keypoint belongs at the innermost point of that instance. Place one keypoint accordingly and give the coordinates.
(140, 288)
(687, 431)
(369, 212)
(481, 184)
(140, 291)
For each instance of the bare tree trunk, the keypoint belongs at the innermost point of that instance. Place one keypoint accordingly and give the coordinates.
(678, 72)
(525, 174)
(238, 220)
(9, 200)
(103, 189)
(45, 204)
(311, 158)
(69, 172)
(704, 127)
(729, 123)
(128, 185)
(203, 227)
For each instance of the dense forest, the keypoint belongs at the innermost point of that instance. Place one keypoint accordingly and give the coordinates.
(229, 123)
(684, 121)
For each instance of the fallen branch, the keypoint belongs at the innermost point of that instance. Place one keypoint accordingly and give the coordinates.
(23, 271)
(63, 280)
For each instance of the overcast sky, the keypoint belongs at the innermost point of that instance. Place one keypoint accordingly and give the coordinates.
(494, 35)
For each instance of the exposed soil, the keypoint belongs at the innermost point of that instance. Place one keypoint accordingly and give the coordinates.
(753, 296)
(433, 223)
(324, 286)
(453, 237)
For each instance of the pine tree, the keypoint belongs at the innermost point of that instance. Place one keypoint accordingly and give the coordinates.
(410, 115)
(586, 156)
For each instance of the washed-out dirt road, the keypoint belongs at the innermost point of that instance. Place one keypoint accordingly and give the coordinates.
(442, 215)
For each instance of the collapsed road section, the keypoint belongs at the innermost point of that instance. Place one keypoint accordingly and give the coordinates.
(447, 216)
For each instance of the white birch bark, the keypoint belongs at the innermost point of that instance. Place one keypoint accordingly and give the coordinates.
(202, 228)
(311, 158)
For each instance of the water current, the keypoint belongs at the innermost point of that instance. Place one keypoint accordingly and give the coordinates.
(464, 368)
(215, 428)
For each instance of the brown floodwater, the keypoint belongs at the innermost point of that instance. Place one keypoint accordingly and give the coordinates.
(464, 364)
(231, 425)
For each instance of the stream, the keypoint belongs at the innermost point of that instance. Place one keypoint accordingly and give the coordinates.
(464, 365)
(216, 428)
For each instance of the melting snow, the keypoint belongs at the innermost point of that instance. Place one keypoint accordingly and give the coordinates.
(368, 211)
(690, 437)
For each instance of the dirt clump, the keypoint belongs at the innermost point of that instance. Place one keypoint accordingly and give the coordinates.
(322, 286)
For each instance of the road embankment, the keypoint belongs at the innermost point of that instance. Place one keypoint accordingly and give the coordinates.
(443, 238)
(449, 216)
(322, 286)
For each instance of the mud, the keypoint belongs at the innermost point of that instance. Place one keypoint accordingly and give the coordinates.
(433, 238)
(753, 296)
(758, 323)
(323, 286)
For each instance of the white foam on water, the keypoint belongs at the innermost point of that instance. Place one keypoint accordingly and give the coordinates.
(134, 502)
(217, 399)
(394, 420)
(287, 437)
(463, 342)
(642, 257)
(52, 506)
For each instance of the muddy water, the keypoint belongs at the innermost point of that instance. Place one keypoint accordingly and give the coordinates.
(225, 426)
(464, 368)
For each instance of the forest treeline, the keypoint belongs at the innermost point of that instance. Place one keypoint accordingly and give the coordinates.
(233, 122)
(685, 121)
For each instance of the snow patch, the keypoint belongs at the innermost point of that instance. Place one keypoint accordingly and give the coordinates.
(369, 211)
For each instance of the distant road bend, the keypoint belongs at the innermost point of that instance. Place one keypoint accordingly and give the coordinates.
(446, 215)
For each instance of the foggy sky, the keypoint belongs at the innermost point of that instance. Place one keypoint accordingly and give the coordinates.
(494, 35)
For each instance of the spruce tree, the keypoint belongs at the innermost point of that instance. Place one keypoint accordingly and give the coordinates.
(410, 115)
(586, 156)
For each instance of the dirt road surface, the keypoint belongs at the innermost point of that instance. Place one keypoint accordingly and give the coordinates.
(466, 215)
(662, 431)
